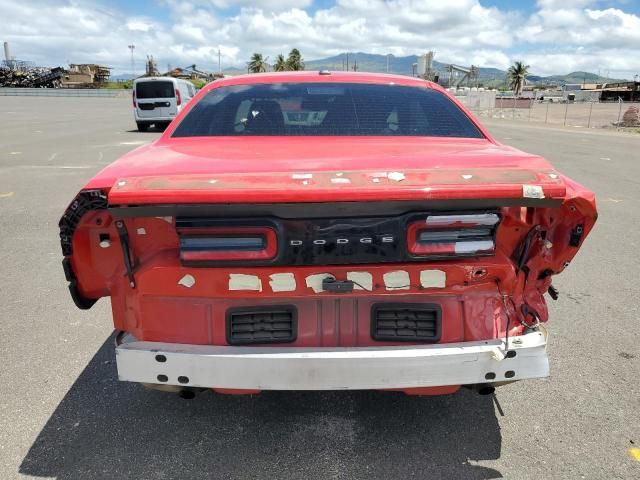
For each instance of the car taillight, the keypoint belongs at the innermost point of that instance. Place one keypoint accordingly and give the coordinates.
(178, 98)
(222, 244)
(134, 99)
(453, 235)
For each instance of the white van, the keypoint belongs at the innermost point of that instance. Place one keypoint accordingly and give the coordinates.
(157, 100)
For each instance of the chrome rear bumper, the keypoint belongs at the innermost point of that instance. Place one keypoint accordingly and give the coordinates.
(286, 368)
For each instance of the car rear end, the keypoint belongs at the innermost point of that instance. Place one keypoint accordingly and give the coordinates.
(258, 256)
(156, 101)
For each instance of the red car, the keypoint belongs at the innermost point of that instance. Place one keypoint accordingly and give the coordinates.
(325, 231)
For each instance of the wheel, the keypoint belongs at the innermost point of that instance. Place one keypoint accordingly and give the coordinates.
(162, 126)
(142, 127)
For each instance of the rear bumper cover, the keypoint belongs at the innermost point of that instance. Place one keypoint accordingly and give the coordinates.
(287, 368)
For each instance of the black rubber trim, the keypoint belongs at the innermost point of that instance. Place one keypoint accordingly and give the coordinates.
(82, 302)
(262, 309)
(86, 201)
(428, 307)
(322, 210)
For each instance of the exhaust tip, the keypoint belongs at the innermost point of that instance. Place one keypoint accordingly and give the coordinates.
(187, 394)
(485, 389)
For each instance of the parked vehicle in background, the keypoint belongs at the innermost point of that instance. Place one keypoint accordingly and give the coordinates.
(158, 100)
(318, 231)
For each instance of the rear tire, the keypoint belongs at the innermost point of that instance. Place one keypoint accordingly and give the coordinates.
(142, 127)
(162, 126)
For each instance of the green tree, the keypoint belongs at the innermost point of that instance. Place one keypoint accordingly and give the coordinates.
(257, 64)
(294, 61)
(281, 64)
(517, 75)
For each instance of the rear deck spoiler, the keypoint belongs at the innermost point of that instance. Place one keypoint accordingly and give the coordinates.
(438, 188)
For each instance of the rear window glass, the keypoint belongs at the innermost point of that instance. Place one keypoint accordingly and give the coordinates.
(154, 90)
(340, 109)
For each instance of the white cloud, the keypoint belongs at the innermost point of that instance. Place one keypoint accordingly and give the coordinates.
(561, 35)
(570, 37)
(263, 4)
(139, 26)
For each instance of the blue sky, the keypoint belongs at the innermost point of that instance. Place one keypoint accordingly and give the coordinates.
(553, 36)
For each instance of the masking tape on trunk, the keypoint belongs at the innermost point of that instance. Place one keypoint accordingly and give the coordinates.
(240, 281)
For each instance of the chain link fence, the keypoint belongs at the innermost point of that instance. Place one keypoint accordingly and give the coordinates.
(567, 113)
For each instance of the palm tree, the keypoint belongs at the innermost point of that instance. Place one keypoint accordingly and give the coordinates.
(258, 64)
(281, 64)
(517, 75)
(294, 61)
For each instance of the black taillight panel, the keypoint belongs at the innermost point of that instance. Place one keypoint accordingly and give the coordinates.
(405, 238)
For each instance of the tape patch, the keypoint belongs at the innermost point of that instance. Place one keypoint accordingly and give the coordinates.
(397, 280)
(282, 282)
(396, 176)
(361, 280)
(187, 281)
(240, 281)
(532, 191)
(433, 279)
(315, 281)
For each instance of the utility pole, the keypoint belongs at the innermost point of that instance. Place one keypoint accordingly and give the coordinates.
(219, 67)
(133, 67)
(387, 63)
(347, 61)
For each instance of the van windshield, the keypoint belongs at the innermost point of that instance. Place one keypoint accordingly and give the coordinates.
(154, 90)
(336, 109)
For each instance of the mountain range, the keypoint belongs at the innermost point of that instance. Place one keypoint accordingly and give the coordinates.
(370, 62)
(488, 76)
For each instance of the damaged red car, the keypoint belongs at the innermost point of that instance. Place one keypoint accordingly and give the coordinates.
(325, 231)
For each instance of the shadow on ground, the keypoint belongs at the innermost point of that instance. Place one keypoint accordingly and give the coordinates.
(152, 129)
(107, 429)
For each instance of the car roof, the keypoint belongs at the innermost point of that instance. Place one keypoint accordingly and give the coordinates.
(154, 79)
(322, 76)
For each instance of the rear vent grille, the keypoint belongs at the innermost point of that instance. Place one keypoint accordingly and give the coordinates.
(406, 322)
(261, 325)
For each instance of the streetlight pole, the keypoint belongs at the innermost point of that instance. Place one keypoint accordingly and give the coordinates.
(219, 67)
(133, 67)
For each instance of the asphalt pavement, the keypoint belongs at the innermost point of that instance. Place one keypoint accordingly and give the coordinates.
(64, 415)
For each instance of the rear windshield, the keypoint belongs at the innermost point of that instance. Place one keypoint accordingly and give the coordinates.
(154, 90)
(341, 109)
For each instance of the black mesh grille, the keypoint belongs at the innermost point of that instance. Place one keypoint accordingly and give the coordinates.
(406, 322)
(261, 325)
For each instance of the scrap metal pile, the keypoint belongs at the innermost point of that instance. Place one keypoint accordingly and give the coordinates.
(31, 77)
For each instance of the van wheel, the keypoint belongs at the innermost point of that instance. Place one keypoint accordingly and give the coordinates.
(162, 126)
(142, 127)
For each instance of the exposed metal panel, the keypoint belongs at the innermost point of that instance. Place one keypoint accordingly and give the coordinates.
(275, 368)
